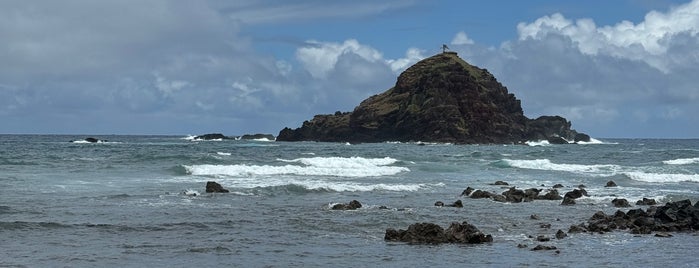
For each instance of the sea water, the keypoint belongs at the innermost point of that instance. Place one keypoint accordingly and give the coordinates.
(135, 201)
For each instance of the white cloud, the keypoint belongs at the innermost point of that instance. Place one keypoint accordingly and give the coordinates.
(462, 39)
(320, 57)
(412, 56)
(646, 41)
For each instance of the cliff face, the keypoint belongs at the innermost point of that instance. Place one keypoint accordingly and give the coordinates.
(439, 99)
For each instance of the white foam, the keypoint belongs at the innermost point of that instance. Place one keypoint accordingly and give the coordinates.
(223, 154)
(343, 162)
(682, 161)
(538, 143)
(256, 170)
(546, 164)
(662, 178)
(189, 138)
(263, 139)
(313, 183)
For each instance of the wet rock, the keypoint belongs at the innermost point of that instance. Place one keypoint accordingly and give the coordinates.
(550, 195)
(457, 204)
(430, 233)
(543, 238)
(514, 195)
(439, 204)
(663, 234)
(611, 184)
(544, 225)
(211, 136)
(575, 194)
(581, 186)
(558, 185)
(580, 228)
(500, 183)
(499, 198)
(542, 247)
(214, 187)
(646, 202)
(560, 234)
(567, 201)
(672, 217)
(621, 203)
(467, 191)
(534, 217)
(481, 194)
(352, 205)
(522, 246)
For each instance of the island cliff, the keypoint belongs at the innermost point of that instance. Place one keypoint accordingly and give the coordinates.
(439, 99)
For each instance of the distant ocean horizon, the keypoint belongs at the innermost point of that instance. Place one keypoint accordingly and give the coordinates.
(139, 200)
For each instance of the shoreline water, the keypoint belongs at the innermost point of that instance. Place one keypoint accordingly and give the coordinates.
(124, 203)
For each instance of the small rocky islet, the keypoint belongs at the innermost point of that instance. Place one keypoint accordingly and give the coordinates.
(439, 99)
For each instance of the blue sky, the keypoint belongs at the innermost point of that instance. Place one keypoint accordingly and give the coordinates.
(614, 68)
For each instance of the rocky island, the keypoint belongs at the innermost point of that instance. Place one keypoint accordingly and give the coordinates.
(439, 99)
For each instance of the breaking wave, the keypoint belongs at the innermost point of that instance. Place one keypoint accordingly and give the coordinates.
(313, 166)
(546, 164)
(682, 161)
(662, 178)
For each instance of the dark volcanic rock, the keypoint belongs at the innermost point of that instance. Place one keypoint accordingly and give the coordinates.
(214, 187)
(550, 195)
(467, 191)
(257, 137)
(93, 140)
(430, 233)
(621, 203)
(500, 183)
(439, 99)
(610, 184)
(672, 217)
(354, 204)
(542, 247)
(212, 136)
(646, 202)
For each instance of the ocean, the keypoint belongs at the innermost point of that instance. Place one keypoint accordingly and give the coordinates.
(139, 201)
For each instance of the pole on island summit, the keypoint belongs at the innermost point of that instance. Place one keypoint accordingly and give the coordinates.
(444, 48)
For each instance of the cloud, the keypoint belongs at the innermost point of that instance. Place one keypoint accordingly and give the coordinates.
(646, 41)
(260, 12)
(609, 80)
(461, 39)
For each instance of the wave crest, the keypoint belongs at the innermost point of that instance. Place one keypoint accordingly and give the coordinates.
(546, 164)
(314, 166)
(682, 161)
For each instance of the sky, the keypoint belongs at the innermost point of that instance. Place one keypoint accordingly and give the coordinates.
(615, 69)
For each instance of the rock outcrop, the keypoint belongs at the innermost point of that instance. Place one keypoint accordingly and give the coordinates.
(439, 99)
(671, 217)
(430, 233)
(211, 136)
(215, 187)
(257, 137)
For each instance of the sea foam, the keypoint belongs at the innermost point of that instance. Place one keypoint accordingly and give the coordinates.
(682, 161)
(314, 166)
(662, 178)
(546, 164)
